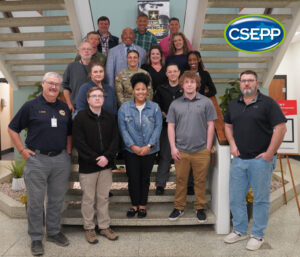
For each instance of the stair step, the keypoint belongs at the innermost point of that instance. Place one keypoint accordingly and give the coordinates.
(34, 21)
(39, 61)
(225, 18)
(38, 49)
(122, 196)
(122, 177)
(216, 47)
(211, 33)
(251, 4)
(224, 80)
(11, 6)
(34, 36)
(233, 70)
(236, 59)
(27, 83)
(34, 72)
(157, 215)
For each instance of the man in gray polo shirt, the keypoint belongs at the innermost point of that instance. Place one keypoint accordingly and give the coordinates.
(190, 130)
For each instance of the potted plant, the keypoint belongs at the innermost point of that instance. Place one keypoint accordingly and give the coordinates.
(16, 170)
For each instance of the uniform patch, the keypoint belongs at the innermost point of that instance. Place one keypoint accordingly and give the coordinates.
(62, 112)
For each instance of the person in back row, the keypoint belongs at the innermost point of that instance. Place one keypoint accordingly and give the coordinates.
(106, 40)
(178, 52)
(156, 67)
(174, 27)
(93, 38)
(117, 56)
(207, 87)
(142, 36)
(76, 74)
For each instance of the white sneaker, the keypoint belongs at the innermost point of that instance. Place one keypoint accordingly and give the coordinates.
(234, 236)
(254, 243)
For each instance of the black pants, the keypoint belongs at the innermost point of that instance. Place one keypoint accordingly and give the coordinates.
(138, 170)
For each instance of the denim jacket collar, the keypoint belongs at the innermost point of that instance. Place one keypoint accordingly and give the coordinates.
(132, 104)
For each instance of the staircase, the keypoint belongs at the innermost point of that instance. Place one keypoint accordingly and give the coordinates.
(30, 44)
(158, 208)
(225, 63)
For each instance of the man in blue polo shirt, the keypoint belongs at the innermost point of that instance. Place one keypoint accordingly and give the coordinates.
(48, 164)
(254, 127)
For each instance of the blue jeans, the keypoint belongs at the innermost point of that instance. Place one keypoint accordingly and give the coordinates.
(256, 173)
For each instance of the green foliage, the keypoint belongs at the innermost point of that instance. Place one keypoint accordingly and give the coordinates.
(37, 92)
(230, 93)
(16, 168)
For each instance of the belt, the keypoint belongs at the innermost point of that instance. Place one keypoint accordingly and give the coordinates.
(50, 154)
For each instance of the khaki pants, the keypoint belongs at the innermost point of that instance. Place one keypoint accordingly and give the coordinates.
(199, 163)
(95, 187)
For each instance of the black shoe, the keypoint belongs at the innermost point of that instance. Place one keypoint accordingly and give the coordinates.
(142, 213)
(131, 213)
(190, 191)
(175, 214)
(159, 190)
(110, 194)
(201, 216)
(59, 239)
(37, 248)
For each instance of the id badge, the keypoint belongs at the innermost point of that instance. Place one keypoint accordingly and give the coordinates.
(54, 123)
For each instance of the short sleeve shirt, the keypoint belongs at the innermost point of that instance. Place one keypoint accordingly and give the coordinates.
(190, 118)
(36, 115)
(253, 124)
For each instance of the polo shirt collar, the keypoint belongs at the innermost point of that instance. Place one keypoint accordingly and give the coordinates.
(44, 101)
(197, 97)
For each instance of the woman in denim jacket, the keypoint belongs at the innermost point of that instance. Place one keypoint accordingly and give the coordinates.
(140, 122)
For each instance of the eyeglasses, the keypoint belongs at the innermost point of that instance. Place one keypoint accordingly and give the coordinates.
(52, 84)
(247, 80)
(96, 96)
(86, 49)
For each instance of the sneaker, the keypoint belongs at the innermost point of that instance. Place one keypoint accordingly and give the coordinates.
(254, 243)
(201, 216)
(37, 248)
(59, 239)
(175, 214)
(109, 234)
(159, 190)
(190, 190)
(91, 237)
(234, 237)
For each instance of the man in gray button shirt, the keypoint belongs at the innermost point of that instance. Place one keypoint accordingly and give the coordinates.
(190, 130)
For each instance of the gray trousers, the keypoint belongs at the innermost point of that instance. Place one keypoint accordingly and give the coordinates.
(165, 158)
(43, 173)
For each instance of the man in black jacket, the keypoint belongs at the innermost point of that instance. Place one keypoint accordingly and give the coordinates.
(96, 139)
(164, 96)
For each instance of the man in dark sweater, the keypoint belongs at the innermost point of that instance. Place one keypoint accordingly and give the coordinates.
(96, 140)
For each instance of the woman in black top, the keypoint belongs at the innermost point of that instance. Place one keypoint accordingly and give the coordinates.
(155, 66)
(207, 87)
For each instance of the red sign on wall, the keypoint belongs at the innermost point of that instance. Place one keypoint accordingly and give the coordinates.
(288, 107)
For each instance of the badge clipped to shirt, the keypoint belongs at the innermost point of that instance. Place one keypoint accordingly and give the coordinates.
(53, 122)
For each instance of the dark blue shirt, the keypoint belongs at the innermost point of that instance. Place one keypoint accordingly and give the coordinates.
(110, 100)
(36, 115)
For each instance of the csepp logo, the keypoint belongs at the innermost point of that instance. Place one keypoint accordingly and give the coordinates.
(254, 33)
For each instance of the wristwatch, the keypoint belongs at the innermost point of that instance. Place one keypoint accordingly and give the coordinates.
(150, 146)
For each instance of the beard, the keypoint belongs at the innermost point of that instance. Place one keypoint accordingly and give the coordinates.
(249, 92)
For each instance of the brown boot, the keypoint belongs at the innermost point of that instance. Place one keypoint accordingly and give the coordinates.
(108, 233)
(91, 236)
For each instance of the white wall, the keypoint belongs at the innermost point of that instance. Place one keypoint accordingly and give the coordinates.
(290, 66)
